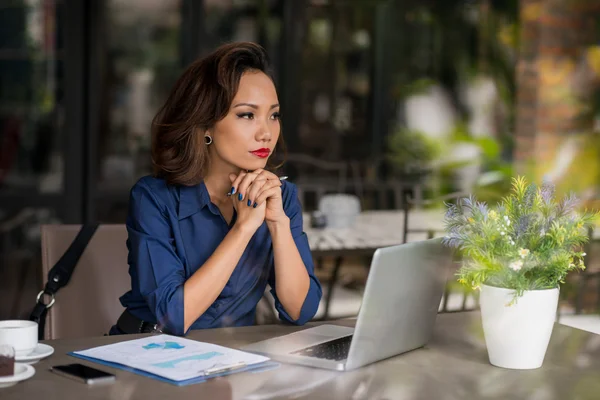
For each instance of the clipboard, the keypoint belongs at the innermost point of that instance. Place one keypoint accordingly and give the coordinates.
(210, 373)
(175, 360)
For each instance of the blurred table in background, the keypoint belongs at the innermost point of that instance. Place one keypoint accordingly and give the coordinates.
(372, 230)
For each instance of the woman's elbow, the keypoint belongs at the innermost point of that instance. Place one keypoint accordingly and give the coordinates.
(309, 308)
(169, 312)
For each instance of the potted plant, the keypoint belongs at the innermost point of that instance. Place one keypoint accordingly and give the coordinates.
(517, 254)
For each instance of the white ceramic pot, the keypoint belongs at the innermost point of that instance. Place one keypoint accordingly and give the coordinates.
(517, 335)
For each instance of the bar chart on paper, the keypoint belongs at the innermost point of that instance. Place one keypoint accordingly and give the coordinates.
(171, 357)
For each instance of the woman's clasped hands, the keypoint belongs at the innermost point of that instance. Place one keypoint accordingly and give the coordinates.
(256, 197)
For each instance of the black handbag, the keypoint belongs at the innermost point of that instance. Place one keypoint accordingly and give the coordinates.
(60, 274)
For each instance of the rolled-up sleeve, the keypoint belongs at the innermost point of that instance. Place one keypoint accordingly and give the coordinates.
(160, 271)
(293, 210)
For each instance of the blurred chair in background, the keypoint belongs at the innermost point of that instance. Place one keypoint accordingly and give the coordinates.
(315, 178)
(89, 304)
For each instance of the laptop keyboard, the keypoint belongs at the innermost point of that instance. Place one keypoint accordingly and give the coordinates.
(336, 350)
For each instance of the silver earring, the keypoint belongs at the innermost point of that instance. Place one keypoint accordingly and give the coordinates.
(207, 139)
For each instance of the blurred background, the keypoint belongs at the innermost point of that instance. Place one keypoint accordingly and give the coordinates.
(388, 100)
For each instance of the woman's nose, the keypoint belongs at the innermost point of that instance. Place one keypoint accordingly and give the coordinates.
(264, 133)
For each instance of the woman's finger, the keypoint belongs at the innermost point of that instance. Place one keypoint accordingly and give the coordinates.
(245, 184)
(269, 184)
(266, 194)
(268, 175)
(236, 183)
(255, 189)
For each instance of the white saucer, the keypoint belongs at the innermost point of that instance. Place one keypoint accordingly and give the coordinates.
(22, 372)
(41, 351)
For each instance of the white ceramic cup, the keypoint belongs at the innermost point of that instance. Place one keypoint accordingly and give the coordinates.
(22, 335)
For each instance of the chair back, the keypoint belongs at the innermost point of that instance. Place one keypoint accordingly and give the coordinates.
(315, 178)
(89, 304)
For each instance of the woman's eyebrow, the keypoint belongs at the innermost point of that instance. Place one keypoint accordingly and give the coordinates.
(253, 105)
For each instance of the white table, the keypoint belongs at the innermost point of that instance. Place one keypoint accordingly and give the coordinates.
(373, 229)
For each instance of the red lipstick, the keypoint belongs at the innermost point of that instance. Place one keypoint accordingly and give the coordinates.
(262, 153)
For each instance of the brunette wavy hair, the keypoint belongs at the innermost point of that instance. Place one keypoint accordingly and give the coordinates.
(200, 98)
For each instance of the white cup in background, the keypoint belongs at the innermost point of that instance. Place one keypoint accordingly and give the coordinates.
(22, 335)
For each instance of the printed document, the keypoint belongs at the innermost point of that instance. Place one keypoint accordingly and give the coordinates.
(173, 357)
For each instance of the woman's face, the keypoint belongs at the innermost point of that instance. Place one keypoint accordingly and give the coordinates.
(247, 136)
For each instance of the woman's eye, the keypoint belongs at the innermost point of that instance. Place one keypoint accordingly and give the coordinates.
(276, 115)
(246, 115)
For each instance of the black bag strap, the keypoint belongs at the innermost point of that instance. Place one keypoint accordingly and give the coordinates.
(60, 275)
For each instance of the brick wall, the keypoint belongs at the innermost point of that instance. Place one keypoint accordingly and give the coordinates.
(553, 90)
(527, 81)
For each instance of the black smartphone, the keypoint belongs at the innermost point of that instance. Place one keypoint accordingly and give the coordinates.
(83, 373)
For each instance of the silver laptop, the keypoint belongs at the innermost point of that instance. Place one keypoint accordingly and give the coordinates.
(400, 304)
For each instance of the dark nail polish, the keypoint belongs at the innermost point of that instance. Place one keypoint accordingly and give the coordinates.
(249, 202)
(255, 204)
(232, 190)
(240, 197)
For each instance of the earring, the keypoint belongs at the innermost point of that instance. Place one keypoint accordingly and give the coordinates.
(207, 139)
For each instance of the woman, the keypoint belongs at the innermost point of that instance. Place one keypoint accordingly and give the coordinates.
(213, 226)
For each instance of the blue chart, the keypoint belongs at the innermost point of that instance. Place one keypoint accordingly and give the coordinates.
(197, 357)
(164, 346)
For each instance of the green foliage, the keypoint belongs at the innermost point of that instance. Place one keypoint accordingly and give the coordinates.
(529, 241)
(489, 146)
(411, 150)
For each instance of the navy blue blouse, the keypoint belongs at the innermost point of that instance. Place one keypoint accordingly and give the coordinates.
(173, 230)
